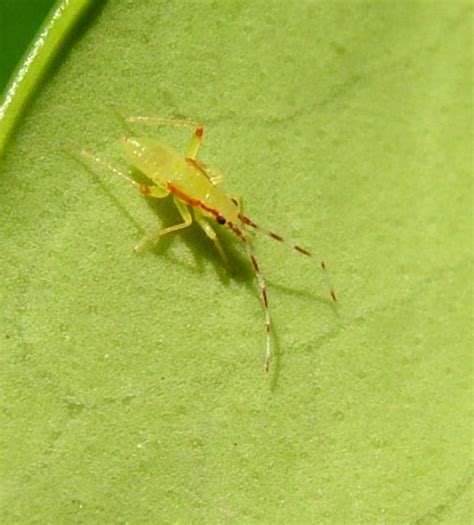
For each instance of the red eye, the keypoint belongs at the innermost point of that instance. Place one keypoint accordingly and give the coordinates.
(220, 219)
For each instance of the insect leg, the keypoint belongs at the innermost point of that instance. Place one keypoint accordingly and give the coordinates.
(263, 293)
(238, 200)
(87, 155)
(158, 121)
(214, 175)
(248, 222)
(209, 231)
(265, 303)
(156, 235)
(195, 140)
(150, 191)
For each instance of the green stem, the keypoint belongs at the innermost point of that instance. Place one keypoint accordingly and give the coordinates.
(31, 69)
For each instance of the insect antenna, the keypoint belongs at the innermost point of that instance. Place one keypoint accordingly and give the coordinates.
(263, 292)
(249, 222)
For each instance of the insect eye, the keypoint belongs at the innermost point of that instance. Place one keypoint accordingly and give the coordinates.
(220, 219)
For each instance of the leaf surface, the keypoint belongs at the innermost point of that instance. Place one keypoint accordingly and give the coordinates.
(134, 382)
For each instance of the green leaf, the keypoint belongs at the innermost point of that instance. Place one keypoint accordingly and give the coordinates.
(133, 388)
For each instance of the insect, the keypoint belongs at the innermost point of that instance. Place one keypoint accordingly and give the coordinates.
(195, 190)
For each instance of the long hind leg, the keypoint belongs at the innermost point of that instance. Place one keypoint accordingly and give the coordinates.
(77, 151)
(266, 305)
(291, 244)
(263, 293)
(149, 190)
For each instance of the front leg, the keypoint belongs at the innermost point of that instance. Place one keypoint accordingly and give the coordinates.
(209, 231)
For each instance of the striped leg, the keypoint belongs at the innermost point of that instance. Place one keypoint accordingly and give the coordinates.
(248, 222)
(263, 293)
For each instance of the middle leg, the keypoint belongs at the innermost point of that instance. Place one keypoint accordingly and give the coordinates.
(156, 235)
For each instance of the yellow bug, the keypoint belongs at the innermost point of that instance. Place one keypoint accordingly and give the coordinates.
(192, 186)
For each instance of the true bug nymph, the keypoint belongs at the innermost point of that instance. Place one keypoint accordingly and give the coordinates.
(193, 186)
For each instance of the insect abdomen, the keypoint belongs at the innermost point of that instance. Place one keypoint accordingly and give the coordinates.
(154, 160)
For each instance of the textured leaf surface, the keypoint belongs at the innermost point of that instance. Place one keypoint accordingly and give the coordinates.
(133, 389)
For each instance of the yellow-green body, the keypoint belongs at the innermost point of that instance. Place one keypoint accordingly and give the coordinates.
(194, 187)
(181, 175)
